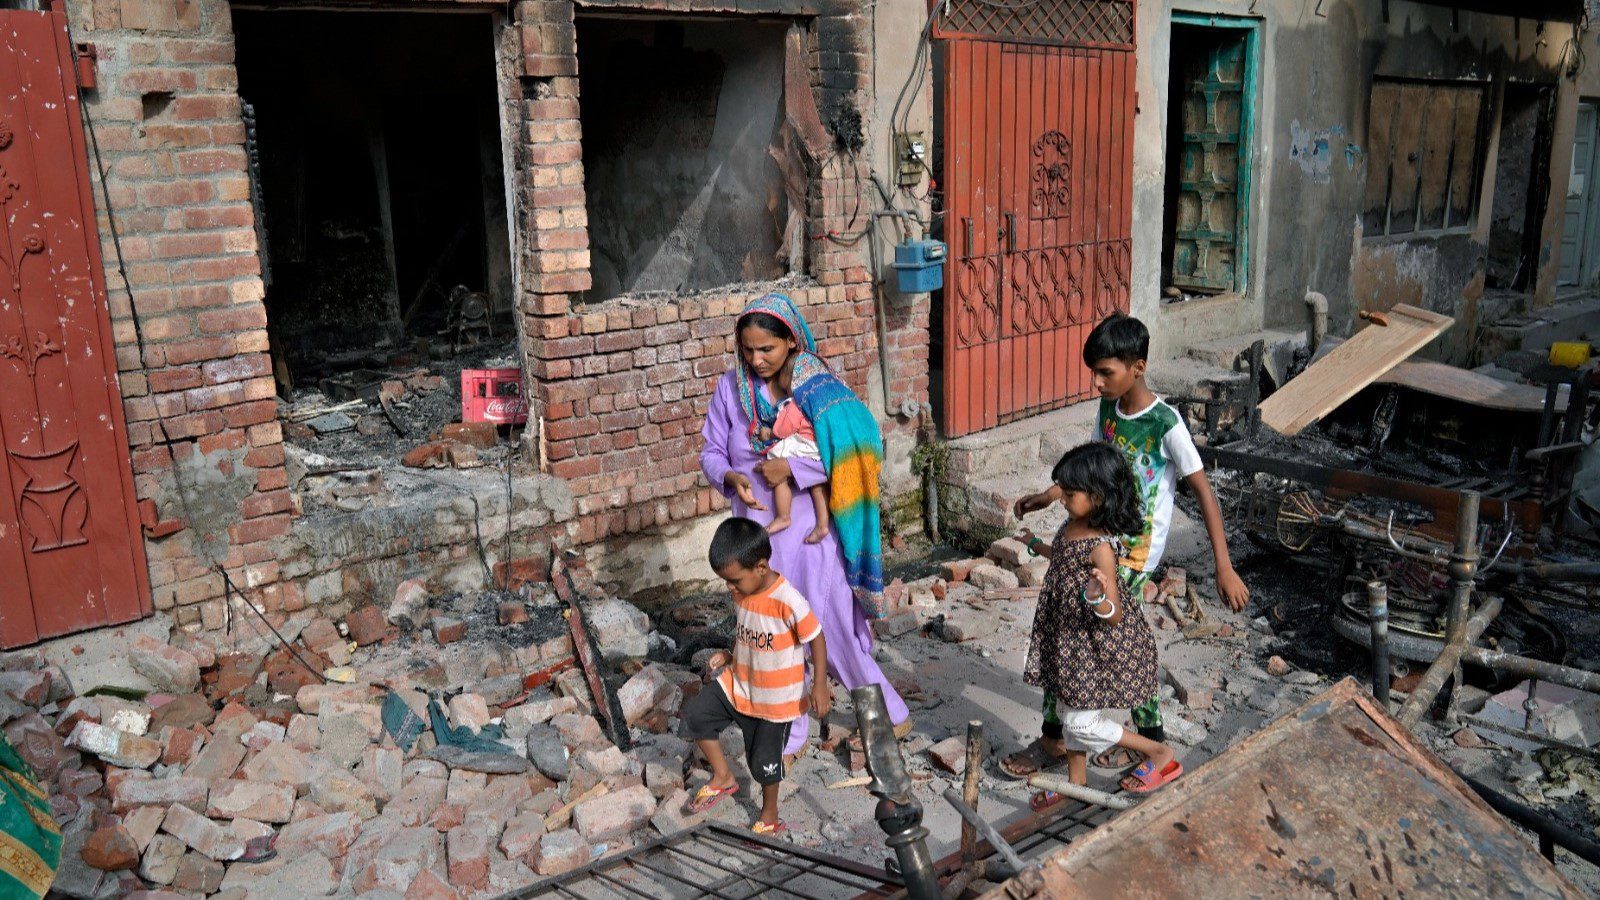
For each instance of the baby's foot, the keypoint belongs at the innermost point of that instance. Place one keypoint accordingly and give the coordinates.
(818, 534)
(778, 524)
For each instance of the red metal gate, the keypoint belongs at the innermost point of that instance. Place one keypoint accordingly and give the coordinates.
(70, 552)
(1038, 172)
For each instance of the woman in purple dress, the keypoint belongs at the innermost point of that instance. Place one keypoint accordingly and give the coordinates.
(771, 336)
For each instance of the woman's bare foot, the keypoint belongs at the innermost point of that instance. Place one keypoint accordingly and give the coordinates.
(818, 534)
(779, 523)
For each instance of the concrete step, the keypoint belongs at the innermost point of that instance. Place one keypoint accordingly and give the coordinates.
(1191, 378)
(1576, 319)
(1224, 353)
(1019, 447)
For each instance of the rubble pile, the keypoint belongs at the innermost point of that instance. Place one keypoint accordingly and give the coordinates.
(341, 435)
(360, 759)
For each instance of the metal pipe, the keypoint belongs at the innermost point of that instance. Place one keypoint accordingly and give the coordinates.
(1449, 660)
(1463, 570)
(1578, 679)
(1078, 792)
(1538, 823)
(898, 813)
(1317, 309)
(1378, 620)
(970, 817)
(969, 791)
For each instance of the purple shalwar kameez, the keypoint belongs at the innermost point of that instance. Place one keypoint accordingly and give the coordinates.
(817, 570)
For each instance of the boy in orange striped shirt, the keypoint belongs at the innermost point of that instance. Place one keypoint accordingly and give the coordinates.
(761, 685)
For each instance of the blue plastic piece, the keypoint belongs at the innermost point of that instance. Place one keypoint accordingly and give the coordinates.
(920, 266)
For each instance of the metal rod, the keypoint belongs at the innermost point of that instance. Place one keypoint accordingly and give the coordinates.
(1580, 846)
(1078, 792)
(898, 812)
(970, 817)
(1544, 740)
(1378, 618)
(969, 791)
(1577, 679)
(1448, 661)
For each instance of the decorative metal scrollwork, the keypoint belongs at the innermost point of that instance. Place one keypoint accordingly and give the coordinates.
(977, 308)
(1052, 175)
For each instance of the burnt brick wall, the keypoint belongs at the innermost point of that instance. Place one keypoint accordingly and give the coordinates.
(202, 423)
(622, 387)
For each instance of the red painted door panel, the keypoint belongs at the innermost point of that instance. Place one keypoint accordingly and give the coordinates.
(71, 557)
(1038, 170)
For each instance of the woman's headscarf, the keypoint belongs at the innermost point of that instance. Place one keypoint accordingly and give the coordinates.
(848, 439)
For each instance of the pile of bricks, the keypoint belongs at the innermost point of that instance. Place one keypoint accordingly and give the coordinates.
(968, 598)
(247, 775)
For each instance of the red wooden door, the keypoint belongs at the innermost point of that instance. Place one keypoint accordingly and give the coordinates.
(70, 551)
(1038, 172)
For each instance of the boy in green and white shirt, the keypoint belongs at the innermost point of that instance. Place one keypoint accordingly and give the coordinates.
(1156, 442)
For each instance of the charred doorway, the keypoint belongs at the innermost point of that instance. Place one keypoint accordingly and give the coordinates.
(378, 182)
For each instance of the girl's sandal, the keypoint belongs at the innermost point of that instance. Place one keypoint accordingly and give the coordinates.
(1030, 760)
(708, 797)
(1145, 778)
(1115, 758)
(763, 829)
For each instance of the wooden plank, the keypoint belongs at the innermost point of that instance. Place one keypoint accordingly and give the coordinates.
(1351, 366)
(1470, 387)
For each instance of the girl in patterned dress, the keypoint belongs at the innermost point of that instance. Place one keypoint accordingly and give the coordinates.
(1090, 650)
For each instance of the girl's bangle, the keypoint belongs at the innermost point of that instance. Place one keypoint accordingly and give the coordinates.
(1103, 615)
(1032, 544)
(1084, 595)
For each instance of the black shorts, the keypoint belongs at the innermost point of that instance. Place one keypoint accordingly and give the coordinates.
(709, 712)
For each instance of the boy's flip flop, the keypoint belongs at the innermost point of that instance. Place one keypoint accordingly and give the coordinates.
(773, 830)
(1043, 800)
(1145, 778)
(708, 797)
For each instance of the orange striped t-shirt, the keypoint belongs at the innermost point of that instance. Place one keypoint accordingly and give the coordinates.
(768, 676)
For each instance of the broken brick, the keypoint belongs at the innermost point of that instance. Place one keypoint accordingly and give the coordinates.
(447, 630)
(366, 625)
(111, 849)
(467, 850)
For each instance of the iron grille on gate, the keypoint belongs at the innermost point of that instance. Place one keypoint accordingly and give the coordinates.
(1038, 178)
(1083, 23)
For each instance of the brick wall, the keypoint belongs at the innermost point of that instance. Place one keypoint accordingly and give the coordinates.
(623, 387)
(206, 444)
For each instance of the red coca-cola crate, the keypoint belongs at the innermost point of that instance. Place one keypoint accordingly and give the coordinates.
(493, 395)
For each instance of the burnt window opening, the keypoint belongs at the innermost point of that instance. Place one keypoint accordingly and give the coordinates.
(688, 184)
(1425, 156)
(1521, 186)
(1209, 107)
(379, 184)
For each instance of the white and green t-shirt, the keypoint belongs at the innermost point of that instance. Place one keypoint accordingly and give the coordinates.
(1158, 446)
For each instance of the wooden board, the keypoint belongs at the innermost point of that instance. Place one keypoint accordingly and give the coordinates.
(1334, 799)
(1353, 365)
(1470, 387)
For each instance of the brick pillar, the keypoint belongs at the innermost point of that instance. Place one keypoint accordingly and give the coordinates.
(202, 422)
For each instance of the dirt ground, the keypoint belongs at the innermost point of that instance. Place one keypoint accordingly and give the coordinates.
(981, 679)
